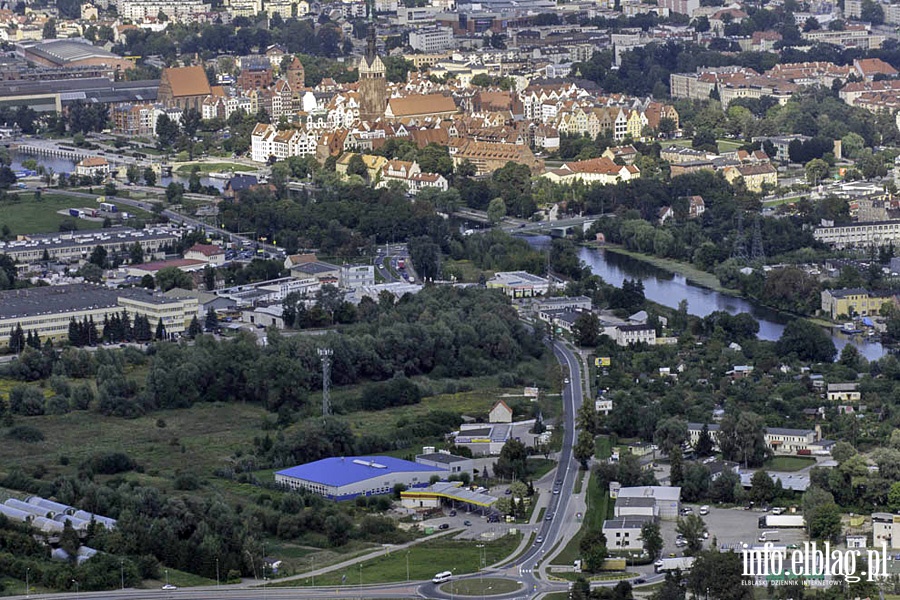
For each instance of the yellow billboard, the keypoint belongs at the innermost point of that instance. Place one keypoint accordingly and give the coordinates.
(601, 361)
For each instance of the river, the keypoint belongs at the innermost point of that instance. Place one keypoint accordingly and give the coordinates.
(668, 289)
(63, 165)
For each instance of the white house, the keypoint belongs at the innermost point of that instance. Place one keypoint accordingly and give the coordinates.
(91, 166)
(501, 413)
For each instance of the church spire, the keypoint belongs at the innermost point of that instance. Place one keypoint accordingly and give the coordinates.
(370, 38)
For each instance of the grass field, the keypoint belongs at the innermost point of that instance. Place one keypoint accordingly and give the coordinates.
(215, 167)
(789, 463)
(481, 587)
(427, 558)
(602, 447)
(208, 434)
(23, 214)
(724, 145)
(465, 271)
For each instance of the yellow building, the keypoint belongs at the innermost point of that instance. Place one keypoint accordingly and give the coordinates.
(852, 302)
(374, 164)
(48, 311)
(754, 176)
(635, 125)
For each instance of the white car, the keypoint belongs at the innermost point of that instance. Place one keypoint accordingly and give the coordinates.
(169, 587)
(567, 381)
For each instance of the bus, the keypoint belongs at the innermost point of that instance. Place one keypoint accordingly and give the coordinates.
(442, 577)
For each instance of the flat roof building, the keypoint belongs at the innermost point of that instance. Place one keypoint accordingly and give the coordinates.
(345, 478)
(74, 247)
(48, 310)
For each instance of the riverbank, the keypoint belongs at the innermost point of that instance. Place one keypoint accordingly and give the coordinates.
(689, 272)
(703, 279)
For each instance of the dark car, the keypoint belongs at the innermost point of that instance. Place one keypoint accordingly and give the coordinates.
(444, 526)
(452, 513)
(467, 523)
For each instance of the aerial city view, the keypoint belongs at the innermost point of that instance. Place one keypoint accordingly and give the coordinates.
(589, 299)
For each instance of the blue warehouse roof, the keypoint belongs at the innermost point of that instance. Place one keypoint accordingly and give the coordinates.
(338, 471)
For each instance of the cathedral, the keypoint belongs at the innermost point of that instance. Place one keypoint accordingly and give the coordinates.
(372, 81)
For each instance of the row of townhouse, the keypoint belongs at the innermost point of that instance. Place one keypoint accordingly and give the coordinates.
(620, 121)
(267, 141)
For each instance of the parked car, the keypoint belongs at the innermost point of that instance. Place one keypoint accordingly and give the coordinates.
(444, 526)
(467, 523)
(452, 513)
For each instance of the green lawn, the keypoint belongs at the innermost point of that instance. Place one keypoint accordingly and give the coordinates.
(789, 463)
(465, 271)
(200, 439)
(481, 587)
(216, 167)
(579, 481)
(425, 559)
(602, 447)
(23, 214)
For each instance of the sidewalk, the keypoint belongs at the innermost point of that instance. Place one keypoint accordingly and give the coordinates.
(577, 504)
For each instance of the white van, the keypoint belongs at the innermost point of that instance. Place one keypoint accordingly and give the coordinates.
(769, 536)
(442, 577)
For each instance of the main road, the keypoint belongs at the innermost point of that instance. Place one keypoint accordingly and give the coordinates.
(521, 568)
(549, 532)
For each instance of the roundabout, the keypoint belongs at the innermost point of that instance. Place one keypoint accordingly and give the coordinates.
(486, 586)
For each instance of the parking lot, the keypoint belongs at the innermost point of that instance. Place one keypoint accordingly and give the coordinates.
(729, 527)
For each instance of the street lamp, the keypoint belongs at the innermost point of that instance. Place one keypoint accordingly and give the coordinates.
(407, 564)
(217, 571)
(122, 565)
(27, 581)
(75, 581)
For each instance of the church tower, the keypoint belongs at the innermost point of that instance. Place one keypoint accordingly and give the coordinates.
(296, 78)
(372, 81)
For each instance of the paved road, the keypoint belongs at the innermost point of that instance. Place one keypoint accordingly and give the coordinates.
(549, 532)
(521, 568)
(174, 217)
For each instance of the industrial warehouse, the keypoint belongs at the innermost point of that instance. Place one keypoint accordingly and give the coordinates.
(345, 478)
(47, 311)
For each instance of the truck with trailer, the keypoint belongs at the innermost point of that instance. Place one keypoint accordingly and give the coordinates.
(781, 521)
(681, 563)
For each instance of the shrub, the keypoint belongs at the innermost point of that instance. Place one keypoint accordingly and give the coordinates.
(108, 463)
(25, 433)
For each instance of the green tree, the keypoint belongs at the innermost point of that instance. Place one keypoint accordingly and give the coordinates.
(98, 256)
(586, 329)
(871, 12)
(807, 340)
(719, 575)
(762, 488)
(173, 277)
(676, 469)
(167, 132)
(17, 339)
(704, 445)
(211, 322)
(584, 448)
(742, 438)
(670, 433)
(161, 333)
(816, 171)
(893, 494)
(593, 550)
(652, 540)
(511, 461)
(194, 329)
(133, 174)
(357, 166)
(692, 528)
(136, 254)
(496, 210)
(149, 177)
